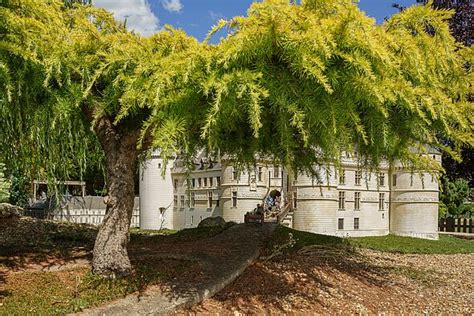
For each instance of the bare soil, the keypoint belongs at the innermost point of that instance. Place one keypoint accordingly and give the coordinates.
(362, 282)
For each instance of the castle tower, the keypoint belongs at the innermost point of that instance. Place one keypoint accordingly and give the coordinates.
(414, 202)
(156, 194)
(315, 204)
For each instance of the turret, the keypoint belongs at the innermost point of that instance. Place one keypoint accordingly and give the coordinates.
(156, 194)
(414, 202)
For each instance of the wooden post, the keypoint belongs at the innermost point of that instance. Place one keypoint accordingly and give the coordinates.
(450, 224)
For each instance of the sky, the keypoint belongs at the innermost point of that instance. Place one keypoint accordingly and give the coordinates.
(197, 17)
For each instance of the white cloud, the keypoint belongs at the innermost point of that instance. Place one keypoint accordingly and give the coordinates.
(138, 14)
(172, 5)
(216, 16)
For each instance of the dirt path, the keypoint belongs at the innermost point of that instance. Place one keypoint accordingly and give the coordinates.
(367, 282)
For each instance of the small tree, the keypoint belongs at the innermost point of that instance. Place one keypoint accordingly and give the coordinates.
(297, 83)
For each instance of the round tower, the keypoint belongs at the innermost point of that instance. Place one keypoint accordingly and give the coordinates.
(156, 194)
(414, 203)
(315, 206)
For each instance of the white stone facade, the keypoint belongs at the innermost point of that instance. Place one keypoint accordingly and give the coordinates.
(346, 202)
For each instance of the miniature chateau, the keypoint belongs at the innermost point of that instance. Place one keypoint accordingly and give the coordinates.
(352, 202)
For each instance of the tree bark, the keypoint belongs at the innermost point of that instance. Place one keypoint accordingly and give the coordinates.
(110, 257)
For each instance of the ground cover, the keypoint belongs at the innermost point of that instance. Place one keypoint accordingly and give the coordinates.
(52, 275)
(297, 272)
(307, 273)
(445, 245)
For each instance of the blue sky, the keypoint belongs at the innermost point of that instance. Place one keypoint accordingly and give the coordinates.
(196, 17)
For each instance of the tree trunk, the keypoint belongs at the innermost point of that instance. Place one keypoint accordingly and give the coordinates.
(110, 257)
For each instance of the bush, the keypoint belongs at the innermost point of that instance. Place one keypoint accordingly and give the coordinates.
(454, 194)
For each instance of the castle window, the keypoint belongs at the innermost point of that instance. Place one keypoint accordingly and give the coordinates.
(260, 173)
(381, 201)
(356, 223)
(192, 219)
(295, 199)
(175, 200)
(193, 182)
(199, 182)
(381, 179)
(209, 199)
(235, 174)
(357, 201)
(205, 182)
(175, 184)
(276, 172)
(342, 177)
(217, 201)
(211, 182)
(394, 180)
(358, 177)
(182, 201)
(234, 199)
(193, 199)
(342, 200)
(218, 180)
(340, 224)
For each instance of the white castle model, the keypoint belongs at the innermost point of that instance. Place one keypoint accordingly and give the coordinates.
(351, 202)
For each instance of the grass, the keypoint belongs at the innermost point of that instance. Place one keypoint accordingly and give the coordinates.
(391, 243)
(61, 292)
(445, 245)
(67, 291)
(151, 232)
(288, 240)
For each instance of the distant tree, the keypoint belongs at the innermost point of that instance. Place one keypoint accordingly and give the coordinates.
(462, 21)
(453, 195)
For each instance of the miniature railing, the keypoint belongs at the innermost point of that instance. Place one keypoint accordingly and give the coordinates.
(283, 213)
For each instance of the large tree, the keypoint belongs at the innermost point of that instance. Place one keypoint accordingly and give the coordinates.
(295, 82)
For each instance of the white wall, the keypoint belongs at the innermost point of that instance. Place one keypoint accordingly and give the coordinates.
(156, 192)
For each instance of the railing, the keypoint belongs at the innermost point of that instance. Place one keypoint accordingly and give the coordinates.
(458, 225)
(283, 213)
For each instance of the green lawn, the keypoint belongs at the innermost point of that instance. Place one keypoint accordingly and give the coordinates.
(445, 244)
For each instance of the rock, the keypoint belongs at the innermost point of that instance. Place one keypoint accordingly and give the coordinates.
(212, 222)
(8, 211)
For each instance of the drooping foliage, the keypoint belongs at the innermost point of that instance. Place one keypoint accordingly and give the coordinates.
(299, 83)
(64, 66)
(304, 82)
